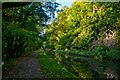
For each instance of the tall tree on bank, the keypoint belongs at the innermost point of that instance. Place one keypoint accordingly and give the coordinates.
(21, 26)
(82, 23)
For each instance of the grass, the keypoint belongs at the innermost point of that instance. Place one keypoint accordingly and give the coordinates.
(52, 69)
(10, 62)
(76, 66)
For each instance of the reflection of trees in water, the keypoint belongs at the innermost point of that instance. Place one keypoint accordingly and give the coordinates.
(105, 69)
(111, 69)
(110, 73)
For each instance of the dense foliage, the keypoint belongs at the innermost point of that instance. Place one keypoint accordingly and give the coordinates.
(73, 44)
(21, 26)
(82, 24)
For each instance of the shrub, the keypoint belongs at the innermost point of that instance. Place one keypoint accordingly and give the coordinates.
(113, 54)
(98, 53)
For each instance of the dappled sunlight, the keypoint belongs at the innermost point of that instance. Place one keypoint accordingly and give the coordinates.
(52, 40)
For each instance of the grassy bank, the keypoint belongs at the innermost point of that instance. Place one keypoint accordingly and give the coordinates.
(76, 64)
(52, 69)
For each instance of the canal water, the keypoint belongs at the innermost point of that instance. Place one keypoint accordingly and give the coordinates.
(86, 67)
(109, 69)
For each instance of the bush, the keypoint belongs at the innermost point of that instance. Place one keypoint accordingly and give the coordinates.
(72, 52)
(113, 54)
(101, 52)
(98, 53)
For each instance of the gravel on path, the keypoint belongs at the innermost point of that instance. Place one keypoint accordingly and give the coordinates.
(25, 67)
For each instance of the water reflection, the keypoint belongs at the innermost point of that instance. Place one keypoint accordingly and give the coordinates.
(111, 69)
(86, 67)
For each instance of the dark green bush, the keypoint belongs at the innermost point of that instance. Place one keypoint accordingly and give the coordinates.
(113, 54)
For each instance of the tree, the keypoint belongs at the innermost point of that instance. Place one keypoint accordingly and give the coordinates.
(82, 23)
(21, 26)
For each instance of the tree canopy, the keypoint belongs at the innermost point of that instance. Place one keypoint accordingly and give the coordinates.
(79, 25)
(22, 23)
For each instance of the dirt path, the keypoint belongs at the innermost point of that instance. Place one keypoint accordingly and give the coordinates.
(25, 67)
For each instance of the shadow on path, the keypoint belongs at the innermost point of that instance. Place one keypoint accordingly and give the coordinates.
(25, 67)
